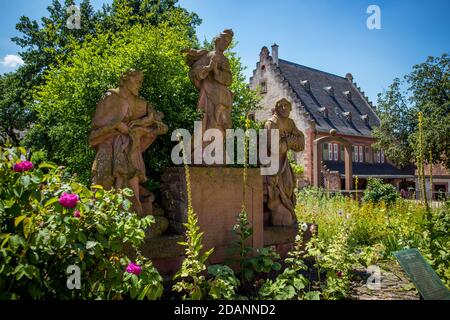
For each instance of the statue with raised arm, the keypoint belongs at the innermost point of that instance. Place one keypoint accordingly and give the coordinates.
(211, 74)
(280, 187)
(123, 127)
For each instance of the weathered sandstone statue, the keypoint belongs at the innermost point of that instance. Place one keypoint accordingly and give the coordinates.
(280, 187)
(123, 127)
(211, 74)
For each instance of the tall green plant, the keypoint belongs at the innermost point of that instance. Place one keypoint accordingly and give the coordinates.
(421, 160)
(192, 283)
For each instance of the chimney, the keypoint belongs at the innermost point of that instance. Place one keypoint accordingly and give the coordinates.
(275, 53)
(349, 77)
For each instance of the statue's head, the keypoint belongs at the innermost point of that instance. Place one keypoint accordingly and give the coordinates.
(283, 108)
(223, 40)
(132, 80)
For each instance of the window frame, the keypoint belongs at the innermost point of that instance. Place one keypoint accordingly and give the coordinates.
(335, 152)
(330, 151)
(361, 153)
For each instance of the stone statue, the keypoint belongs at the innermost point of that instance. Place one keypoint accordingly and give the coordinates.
(211, 74)
(280, 187)
(123, 127)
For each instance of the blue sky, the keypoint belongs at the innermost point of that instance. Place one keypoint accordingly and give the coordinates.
(328, 35)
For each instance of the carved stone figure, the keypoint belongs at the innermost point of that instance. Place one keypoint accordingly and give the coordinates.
(211, 74)
(280, 187)
(123, 127)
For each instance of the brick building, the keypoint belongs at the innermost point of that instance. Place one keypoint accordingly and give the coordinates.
(337, 119)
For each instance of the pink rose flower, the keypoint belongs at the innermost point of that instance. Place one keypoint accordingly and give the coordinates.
(23, 166)
(77, 214)
(68, 200)
(134, 269)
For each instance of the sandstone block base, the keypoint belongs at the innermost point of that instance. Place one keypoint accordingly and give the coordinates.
(217, 194)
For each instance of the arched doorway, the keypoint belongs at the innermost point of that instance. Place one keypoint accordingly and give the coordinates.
(317, 158)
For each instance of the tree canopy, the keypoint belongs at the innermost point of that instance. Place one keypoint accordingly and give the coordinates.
(47, 43)
(145, 35)
(427, 91)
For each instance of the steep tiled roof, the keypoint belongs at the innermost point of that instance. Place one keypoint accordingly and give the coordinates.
(371, 169)
(347, 111)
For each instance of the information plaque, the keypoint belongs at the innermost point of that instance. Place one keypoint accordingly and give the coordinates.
(422, 275)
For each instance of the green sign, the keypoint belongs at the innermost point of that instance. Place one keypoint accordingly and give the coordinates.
(422, 275)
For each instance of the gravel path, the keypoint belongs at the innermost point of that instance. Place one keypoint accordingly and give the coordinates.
(395, 285)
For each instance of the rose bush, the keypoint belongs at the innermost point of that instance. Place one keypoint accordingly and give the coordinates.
(49, 222)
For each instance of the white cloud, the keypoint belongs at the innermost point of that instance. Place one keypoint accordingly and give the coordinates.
(12, 61)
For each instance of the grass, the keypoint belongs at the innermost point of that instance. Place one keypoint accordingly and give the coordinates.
(376, 230)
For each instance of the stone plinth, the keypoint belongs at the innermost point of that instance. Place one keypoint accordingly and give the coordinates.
(282, 238)
(216, 198)
(165, 253)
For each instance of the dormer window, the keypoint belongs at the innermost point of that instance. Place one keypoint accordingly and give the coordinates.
(324, 112)
(263, 86)
(329, 90)
(365, 118)
(306, 85)
(348, 95)
(348, 116)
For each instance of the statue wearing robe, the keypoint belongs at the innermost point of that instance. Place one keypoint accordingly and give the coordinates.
(280, 187)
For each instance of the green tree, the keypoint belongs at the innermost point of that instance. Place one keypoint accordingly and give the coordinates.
(428, 91)
(14, 114)
(64, 104)
(397, 124)
(48, 43)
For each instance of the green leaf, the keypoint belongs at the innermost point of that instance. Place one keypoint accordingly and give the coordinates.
(9, 203)
(49, 165)
(50, 202)
(61, 240)
(91, 244)
(312, 295)
(25, 181)
(81, 236)
(18, 220)
(128, 192)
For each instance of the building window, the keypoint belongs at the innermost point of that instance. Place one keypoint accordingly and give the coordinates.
(367, 152)
(325, 151)
(355, 154)
(263, 86)
(336, 152)
(342, 152)
(330, 151)
(378, 156)
(361, 155)
(382, 156)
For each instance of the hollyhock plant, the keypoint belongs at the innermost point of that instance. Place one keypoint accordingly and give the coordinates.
(134, 269)
(68, 200)
(77, 214)
(23, 166)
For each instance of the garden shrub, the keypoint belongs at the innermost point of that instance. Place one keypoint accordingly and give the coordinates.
(377, 191)
(291, 284)
(435, 244)
(335, 259)
(49, 222)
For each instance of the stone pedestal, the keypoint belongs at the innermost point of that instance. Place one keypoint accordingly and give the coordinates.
(216, 198)
(282, 239)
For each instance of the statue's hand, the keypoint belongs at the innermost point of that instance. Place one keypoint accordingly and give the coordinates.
(123, 128)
